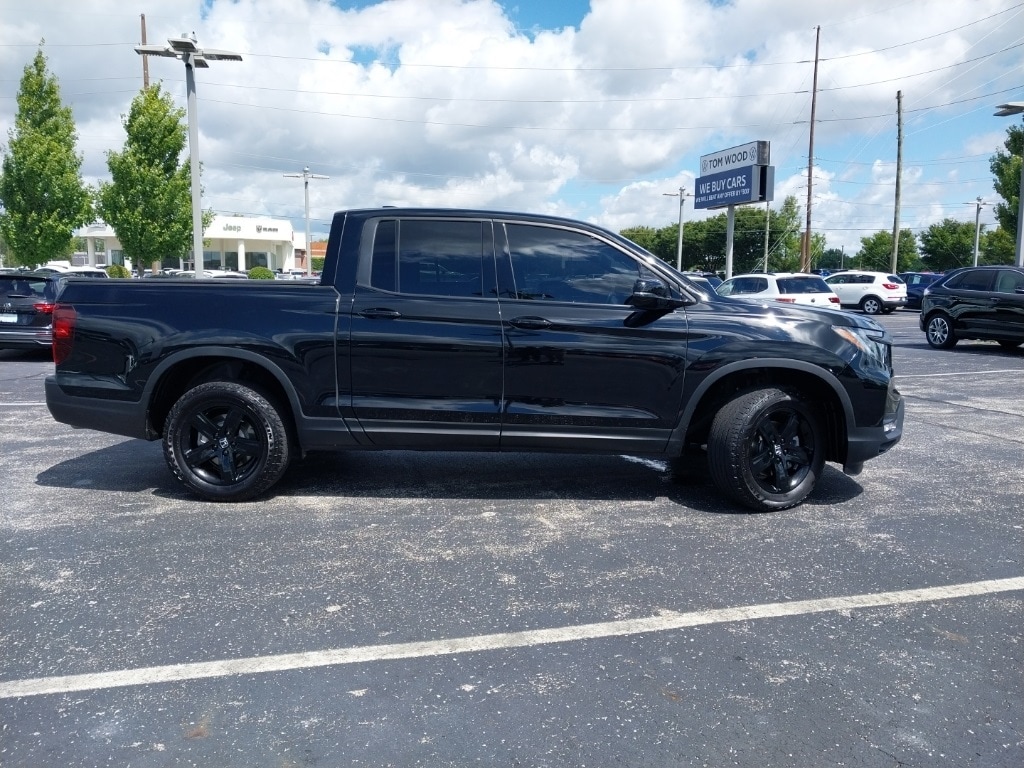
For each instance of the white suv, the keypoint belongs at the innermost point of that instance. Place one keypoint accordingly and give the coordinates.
(787, 287)
(872, 292)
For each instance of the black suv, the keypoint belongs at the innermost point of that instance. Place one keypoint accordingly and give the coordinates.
(26, 309)
(975, 303)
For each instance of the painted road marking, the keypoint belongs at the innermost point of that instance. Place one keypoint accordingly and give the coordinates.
(665, 621)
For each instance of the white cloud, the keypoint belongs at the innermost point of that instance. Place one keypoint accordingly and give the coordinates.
(447, 102)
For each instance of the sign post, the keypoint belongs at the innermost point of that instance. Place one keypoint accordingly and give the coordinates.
(731, 177)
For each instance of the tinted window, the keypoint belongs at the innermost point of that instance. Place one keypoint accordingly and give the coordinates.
(551, 264)
(1009, 281)
(803, 285)
(438, 258)
(974, 280)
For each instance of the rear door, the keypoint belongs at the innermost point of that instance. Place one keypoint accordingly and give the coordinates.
(971, 302)
(426, 339)
(583, 369)
(1009, 303)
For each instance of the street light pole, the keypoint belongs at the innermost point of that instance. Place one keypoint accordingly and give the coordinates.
(306, 176)
(977, 226)
(681, 194)
(186, 49)
(1005, 110)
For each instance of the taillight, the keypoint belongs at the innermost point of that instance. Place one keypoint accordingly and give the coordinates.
(834, 299)
(64, 318)
(890, 286)
(44, 308)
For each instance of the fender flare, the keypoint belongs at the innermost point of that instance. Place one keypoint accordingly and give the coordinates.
(819, 373)
(156, 378)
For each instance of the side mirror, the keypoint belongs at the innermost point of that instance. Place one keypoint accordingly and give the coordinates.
(653, 295)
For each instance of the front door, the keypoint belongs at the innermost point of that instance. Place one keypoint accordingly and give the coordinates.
(583, 370)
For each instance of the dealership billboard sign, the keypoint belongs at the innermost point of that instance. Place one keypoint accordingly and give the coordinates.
(735, 176)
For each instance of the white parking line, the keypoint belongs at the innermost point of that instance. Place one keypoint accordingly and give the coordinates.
(666, 621)
(955, 373)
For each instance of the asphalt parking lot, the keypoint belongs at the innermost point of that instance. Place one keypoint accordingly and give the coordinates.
(399, 609)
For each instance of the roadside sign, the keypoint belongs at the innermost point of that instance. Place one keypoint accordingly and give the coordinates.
(752, 153)
(750, 184)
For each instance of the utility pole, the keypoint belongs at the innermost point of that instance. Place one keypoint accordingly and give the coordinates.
(899, 178)
(681, 194)
(145, 59)
(805, 249)
(767, 214)
(977, 226)
(306, 176)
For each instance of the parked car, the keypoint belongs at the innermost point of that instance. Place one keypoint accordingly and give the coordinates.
(871, 292)
(26, 309)
(975, 303)
(710, 277)
(916, 283)
(787, 287)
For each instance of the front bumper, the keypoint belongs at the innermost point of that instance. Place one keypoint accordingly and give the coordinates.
(865, 443)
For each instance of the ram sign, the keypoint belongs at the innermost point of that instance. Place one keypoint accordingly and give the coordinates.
(735, 176)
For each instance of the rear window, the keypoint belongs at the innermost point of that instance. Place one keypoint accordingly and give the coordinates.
(803, 285)
(16, 287)
(980, 280)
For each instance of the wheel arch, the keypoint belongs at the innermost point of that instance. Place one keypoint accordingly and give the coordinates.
(185, 370)
(816, 385)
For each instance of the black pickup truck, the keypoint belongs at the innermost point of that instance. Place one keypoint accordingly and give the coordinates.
(437, 329)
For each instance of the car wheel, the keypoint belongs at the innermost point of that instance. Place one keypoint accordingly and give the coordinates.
(939, 332)
(870, 305)
(226, 441)
(766, 450)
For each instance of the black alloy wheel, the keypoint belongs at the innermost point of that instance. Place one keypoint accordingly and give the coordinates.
(226, 441)
(766, 450)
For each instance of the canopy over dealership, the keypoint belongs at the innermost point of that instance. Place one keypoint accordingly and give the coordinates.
(230, 242)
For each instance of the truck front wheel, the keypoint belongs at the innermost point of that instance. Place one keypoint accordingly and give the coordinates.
(226, 441)
(766, 450)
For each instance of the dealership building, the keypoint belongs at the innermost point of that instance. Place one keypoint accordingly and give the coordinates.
(230, 242)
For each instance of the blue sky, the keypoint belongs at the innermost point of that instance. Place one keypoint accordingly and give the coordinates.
(591, 110)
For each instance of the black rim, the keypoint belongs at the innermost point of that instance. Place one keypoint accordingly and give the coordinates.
(781, 451)
(222, 444)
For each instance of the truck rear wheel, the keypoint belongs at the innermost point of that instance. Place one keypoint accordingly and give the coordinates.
(226, 441)
(766, 450)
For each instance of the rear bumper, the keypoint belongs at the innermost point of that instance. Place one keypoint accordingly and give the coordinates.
(118, 417)
(25, 339)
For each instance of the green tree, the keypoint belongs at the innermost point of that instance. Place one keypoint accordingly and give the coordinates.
(148, 202)
(876, 251)
(41, 188)
(832, 258)
(947, 245)
(645, 237)
(1005, 168)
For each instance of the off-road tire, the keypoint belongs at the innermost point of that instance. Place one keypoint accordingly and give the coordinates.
(226, 441)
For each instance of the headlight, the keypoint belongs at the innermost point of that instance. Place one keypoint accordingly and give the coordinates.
(872, 345)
